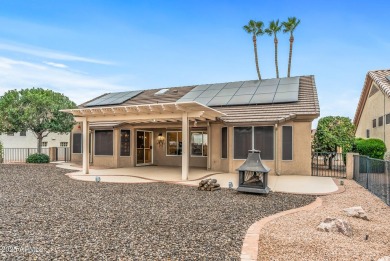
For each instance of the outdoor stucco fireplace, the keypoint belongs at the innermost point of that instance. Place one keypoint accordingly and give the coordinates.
(253, 174)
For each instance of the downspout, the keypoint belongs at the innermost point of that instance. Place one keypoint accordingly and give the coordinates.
(208, 146)
(384, 118)
(277, 172)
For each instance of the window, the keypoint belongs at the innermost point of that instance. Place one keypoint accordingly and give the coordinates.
(104, 142)
(380, 121)
(287, 143)
(258, 138)
(174, 142)
(264, 141)
(125, 143)
(374, 123)
(63, 144)
(199, 143)
(242, 142)
(44, 143)
(10, 133)
(77, 140)
(388, 118)
(367, 133)
(23, 133)
(224, 143)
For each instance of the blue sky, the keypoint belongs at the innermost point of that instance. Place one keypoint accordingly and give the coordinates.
(86, 48)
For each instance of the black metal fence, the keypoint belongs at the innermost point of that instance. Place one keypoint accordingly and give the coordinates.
(328, 164)
(16, 155)
(374, 175)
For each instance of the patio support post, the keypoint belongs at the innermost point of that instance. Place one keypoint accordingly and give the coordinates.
(85, 148)
(185, 148)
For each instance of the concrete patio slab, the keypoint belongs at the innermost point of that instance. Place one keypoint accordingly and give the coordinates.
(288, 184)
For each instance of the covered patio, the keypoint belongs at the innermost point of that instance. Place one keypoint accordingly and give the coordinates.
(152, 116)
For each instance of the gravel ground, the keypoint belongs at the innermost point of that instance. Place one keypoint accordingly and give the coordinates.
(294, 237)
(46, 215)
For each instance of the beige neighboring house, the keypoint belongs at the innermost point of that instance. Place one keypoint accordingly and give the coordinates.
(28, 140)
(372, 117)
(211, 126)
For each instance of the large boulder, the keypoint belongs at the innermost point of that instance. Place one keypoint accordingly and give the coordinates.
(335, 225)
(357, 212)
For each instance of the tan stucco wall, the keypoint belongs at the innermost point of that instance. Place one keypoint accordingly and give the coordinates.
(377, 105)
(301, 163)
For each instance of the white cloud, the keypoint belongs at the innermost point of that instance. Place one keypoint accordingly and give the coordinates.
(16, 74)
(58, 65)
(49, 54)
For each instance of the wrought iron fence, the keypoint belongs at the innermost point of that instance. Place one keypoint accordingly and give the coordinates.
(17, 155)
(328, 164)
(374, 175)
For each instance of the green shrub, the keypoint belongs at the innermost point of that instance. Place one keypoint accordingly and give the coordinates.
(38, 158)
(373, 148)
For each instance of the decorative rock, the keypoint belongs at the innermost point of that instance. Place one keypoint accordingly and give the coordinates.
(335, 225)
(385, 258)
(357, 212)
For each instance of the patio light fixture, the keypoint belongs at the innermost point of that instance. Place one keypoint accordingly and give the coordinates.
(160, 140)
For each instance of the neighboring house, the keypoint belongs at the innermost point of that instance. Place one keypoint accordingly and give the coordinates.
(28, 140)
(372, 117)
(210, 126)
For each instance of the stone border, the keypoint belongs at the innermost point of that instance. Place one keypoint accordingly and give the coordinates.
(250, 246)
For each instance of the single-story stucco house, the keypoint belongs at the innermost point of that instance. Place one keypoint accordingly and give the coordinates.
(209, 126)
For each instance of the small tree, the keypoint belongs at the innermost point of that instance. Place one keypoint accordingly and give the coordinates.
(333, 132)
(37, 110)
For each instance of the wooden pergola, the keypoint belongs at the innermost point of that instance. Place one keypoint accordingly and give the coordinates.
(147, 113)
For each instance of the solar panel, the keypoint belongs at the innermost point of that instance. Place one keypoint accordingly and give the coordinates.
(113, 98)
(245, 92)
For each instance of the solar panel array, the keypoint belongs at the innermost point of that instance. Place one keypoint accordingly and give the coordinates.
(245, 92)
(113, 98)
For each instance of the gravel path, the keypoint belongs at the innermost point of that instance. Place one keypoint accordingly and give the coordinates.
(294, 237)
(46, 215)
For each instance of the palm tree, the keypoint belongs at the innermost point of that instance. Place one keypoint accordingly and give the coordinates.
(289, 26)
(273, 29)
(256, 29)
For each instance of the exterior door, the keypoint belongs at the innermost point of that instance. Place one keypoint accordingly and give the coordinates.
(144, 148)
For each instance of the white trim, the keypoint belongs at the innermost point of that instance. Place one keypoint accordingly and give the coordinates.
(94, 143)
(292, 142)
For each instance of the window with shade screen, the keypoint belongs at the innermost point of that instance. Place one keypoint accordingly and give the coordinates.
(380, 121)
(287, 146)
(77, 142)
(224, 143)
(125, 143)
(264, 141)
(104, 143)
(242, 142)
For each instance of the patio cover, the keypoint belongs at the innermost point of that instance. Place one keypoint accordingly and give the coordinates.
(147, 113)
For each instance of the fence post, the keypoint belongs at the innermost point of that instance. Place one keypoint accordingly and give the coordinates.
(367, 167)
(350, 164)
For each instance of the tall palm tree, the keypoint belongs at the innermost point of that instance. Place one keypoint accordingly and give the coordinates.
(273, 29)
(256, 29)
(290, 26)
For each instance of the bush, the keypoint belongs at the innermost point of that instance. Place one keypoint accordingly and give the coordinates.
(38, 158)
(373, 148)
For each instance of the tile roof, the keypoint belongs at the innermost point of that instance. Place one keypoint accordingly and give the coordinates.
(307, 105)
(379, 77)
